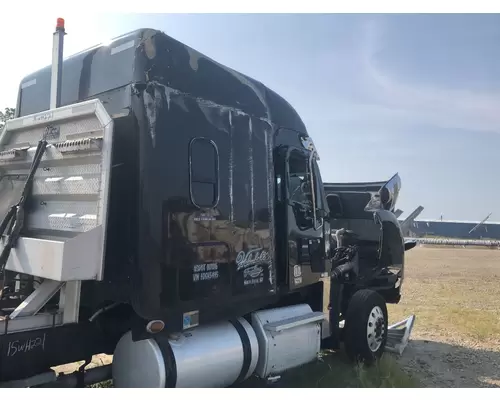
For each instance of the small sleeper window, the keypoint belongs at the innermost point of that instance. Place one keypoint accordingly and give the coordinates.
(203, 173)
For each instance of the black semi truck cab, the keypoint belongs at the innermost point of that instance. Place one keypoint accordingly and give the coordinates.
(168, 207)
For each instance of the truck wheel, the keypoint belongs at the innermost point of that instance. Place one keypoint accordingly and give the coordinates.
(365, 329)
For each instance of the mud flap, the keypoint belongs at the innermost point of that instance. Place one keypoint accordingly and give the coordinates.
(398, 335)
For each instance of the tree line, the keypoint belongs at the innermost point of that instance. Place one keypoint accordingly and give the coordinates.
(5, 115)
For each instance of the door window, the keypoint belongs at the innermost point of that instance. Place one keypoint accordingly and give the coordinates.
(300, 185)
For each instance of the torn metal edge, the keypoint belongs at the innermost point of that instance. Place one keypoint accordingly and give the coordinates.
(407, 325)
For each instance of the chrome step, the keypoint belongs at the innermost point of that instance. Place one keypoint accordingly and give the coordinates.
(293, 322)
(398, 335)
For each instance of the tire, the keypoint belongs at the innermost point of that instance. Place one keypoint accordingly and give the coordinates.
(365, 328)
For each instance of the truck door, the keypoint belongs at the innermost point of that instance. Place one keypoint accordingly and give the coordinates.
(305, 209)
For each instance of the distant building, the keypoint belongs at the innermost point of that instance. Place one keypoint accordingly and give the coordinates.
(454, 229)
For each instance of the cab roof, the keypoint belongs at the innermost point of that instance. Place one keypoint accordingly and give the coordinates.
(149, 55)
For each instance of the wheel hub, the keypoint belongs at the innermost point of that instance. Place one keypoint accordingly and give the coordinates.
(375, 328)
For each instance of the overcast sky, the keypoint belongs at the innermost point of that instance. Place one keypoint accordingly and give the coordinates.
(414, 94)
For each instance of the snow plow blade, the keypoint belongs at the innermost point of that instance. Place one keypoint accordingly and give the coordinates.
(399, 335)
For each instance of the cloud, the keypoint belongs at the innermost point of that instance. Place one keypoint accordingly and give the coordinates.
(423, 104)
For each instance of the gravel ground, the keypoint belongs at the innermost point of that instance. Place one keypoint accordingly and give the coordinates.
(437, 364)
(455, 294)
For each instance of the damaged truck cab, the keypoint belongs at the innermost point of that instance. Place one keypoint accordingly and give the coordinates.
(178, 211)
(362, 214)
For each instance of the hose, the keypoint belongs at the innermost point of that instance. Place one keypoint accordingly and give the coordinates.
(342, 260)
(338, 272)
(13, 222)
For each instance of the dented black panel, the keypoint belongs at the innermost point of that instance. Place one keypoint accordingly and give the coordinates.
(181, 236)
(191, 252)
(194, 73)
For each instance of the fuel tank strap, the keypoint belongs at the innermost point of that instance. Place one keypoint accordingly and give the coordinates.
(247, 349)
(168, 359)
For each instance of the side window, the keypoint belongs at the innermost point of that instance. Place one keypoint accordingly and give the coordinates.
(203, 173)
(305, 190)
(300, 195)
(299, 179)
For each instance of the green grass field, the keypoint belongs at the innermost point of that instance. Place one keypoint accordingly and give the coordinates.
(334, 370)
